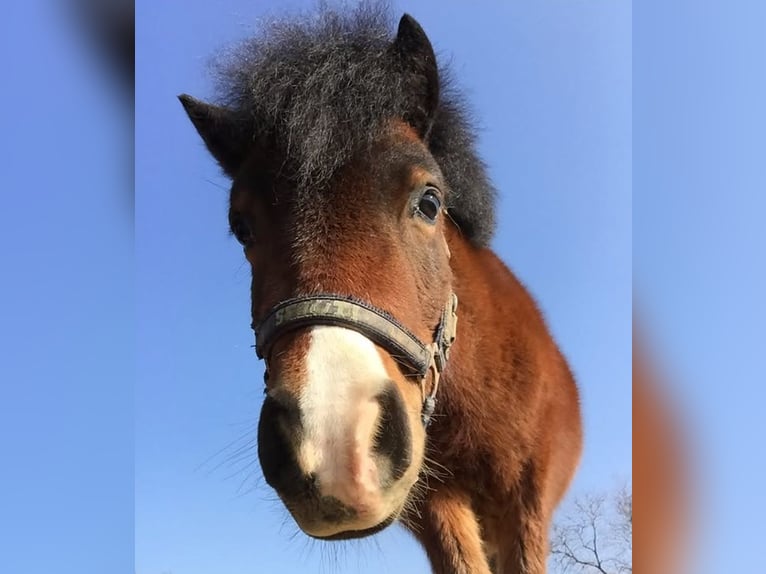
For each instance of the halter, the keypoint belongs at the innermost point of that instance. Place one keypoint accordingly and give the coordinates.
(375, 324)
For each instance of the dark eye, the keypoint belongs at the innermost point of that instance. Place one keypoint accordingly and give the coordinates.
(429, 205)
(241, 230)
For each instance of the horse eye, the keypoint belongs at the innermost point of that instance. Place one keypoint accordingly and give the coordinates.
(241, 230)
(429, 205)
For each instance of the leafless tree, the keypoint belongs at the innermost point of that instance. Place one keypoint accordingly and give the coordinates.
(595, 535)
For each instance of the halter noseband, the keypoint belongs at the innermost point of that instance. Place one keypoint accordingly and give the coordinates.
(375, 324)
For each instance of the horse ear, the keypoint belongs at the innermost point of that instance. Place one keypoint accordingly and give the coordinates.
(419, 62)
(222, 130)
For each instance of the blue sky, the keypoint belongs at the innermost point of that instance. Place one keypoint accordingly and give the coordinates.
(550, 83)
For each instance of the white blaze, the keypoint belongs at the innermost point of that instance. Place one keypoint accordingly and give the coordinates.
(339, 411)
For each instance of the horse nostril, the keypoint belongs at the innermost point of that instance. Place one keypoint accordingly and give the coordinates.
(279, 434)
(394, 438)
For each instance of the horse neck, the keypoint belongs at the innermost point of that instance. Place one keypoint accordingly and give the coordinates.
(499, 324)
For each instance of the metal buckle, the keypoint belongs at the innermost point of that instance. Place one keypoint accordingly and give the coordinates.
(429, 400)
(449, 332)
(440, 348)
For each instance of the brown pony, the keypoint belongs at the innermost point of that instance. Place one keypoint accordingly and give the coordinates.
(365, 214)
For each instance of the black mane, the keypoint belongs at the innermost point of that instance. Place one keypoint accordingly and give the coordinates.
(322, 85)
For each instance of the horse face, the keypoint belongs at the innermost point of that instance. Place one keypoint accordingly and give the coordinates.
(340, 435)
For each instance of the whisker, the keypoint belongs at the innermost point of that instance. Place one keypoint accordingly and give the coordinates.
(215, 184)
(432, 462)
(455, 223)
(244, 436)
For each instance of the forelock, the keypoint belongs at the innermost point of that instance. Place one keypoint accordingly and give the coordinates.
(321, 87)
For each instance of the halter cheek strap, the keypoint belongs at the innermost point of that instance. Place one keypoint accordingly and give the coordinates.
(377, 325)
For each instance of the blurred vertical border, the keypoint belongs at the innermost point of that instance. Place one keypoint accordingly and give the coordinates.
(66, 295)
(699, 188)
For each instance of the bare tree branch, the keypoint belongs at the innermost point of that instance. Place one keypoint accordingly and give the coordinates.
(595, 536)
